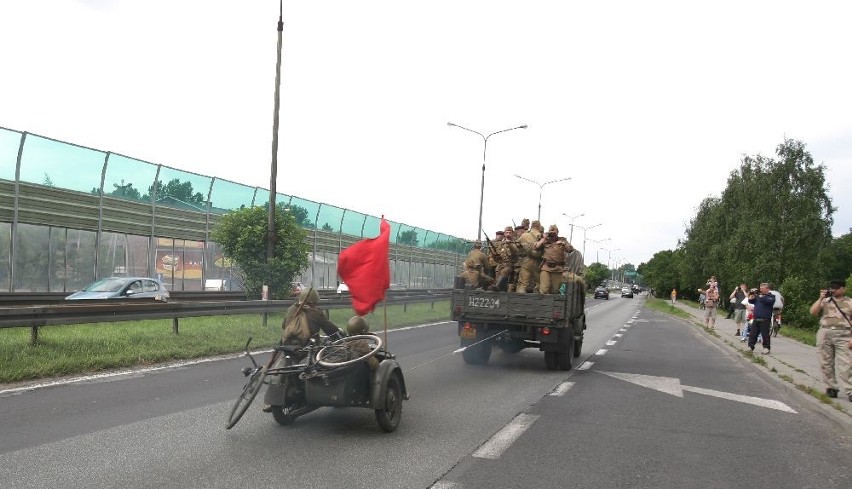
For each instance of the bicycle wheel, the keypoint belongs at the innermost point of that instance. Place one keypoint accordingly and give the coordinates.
(337, 354)
(250, 390)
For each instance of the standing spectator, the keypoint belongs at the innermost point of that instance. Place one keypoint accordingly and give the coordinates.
(834, 338)
(711, 301)
(763, 302)
(674, 296)
(701, 299)
(737, 297)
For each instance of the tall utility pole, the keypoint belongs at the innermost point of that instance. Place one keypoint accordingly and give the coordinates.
(270, 225)
(541, 188)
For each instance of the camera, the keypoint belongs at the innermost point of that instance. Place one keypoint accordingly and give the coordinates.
(752, 291)
(826, 293)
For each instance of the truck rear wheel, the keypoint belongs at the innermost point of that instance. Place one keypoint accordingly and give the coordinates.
(551, 360)
(578, 348)
(476, 354)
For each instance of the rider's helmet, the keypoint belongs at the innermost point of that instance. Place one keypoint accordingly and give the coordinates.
(356, 325)
(309, 296)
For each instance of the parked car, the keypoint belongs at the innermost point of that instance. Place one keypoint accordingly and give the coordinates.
(296, 288)
(601, 292)
(123, 288)
(627, 292)
(342, 288)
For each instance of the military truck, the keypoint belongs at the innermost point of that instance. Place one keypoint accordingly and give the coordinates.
(553, 323)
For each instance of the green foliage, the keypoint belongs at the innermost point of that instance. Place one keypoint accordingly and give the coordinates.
(243, 237)
(177, 190)
(596, 273)
(408, 238)
(772, 223)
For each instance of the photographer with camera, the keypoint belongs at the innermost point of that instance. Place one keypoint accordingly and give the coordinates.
(763, 301)
(834, 338)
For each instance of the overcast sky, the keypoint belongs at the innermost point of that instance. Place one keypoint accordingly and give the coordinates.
(647, 106)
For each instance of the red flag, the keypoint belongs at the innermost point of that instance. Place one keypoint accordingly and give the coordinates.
(365, 267)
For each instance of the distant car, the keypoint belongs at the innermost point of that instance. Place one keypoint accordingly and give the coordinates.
(626, 292)
(601, 293)
(342, 288)
(296, 288)
(122, 288)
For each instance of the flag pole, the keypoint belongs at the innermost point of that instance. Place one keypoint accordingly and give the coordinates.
(386, 322)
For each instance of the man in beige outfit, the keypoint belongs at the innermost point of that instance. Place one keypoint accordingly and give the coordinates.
(834, 338)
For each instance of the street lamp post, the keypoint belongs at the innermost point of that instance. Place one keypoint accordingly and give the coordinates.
(571, 236)
(273, 177)
(484, 148)
(585, 230)
(541, 188)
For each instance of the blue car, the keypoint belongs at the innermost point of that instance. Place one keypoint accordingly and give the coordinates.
(123, 288)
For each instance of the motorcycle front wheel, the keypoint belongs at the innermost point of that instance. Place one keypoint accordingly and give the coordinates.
(250, 390)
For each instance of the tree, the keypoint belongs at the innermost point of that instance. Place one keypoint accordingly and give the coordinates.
(176, 190)
(408, 238)
(242, 234)
(595, 274)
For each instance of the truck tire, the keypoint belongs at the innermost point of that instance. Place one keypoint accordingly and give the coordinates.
(551, 360)
(476, 354)
(578, 348)
(565, 357)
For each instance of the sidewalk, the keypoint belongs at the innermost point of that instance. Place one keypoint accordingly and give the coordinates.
(794, 362)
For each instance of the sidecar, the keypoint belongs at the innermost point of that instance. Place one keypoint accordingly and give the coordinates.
(302, 379)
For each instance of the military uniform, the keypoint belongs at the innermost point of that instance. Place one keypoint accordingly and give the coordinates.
(508, 252)
(552, 261)
(833, 341)
(530, 263)
(474, 278)
(478, 256)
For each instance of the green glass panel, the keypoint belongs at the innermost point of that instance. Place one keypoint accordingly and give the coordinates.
(57, 164)
(10, 141)
(329, 218)
(229, 196)
(371, 227)
(305, 212)
(182, 190)
(128, 178)
(353, 223)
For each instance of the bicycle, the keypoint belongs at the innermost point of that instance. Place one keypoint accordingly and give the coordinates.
(776, 324)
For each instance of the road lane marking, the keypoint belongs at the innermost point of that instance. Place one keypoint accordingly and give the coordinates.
(561, 389)
(617, 335)
(611, 342)
(444, 485)
(586, 365)
(672, 386)
(503, 439)
(601, 352)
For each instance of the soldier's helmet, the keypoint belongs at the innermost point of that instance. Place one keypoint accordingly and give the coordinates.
(309, 296)
(525, 223)
(357, 325)
(477, 244)
(508, 229)
(553, 229)
(470, 263)
(535, 225)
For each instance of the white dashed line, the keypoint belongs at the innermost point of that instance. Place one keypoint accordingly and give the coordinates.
(444, 485)
(585, 366)
(611, 343)
(617, 335)
(561, 389)
(602, 351)
(503, 439)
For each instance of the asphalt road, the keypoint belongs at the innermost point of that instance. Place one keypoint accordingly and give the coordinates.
(510, 423)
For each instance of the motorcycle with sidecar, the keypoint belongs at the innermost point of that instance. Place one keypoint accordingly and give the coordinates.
(325, 372)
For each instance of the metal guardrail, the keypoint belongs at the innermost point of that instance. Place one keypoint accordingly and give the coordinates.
(9, 299)
(97, 311)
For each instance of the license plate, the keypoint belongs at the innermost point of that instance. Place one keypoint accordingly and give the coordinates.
(468, 333)
(484, 302)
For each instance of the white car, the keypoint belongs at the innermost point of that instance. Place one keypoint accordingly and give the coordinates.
(342, 288)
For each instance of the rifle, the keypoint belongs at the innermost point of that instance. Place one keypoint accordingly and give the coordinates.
(492, 250)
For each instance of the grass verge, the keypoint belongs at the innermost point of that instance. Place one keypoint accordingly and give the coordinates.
(666, 307)
(74, 349)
